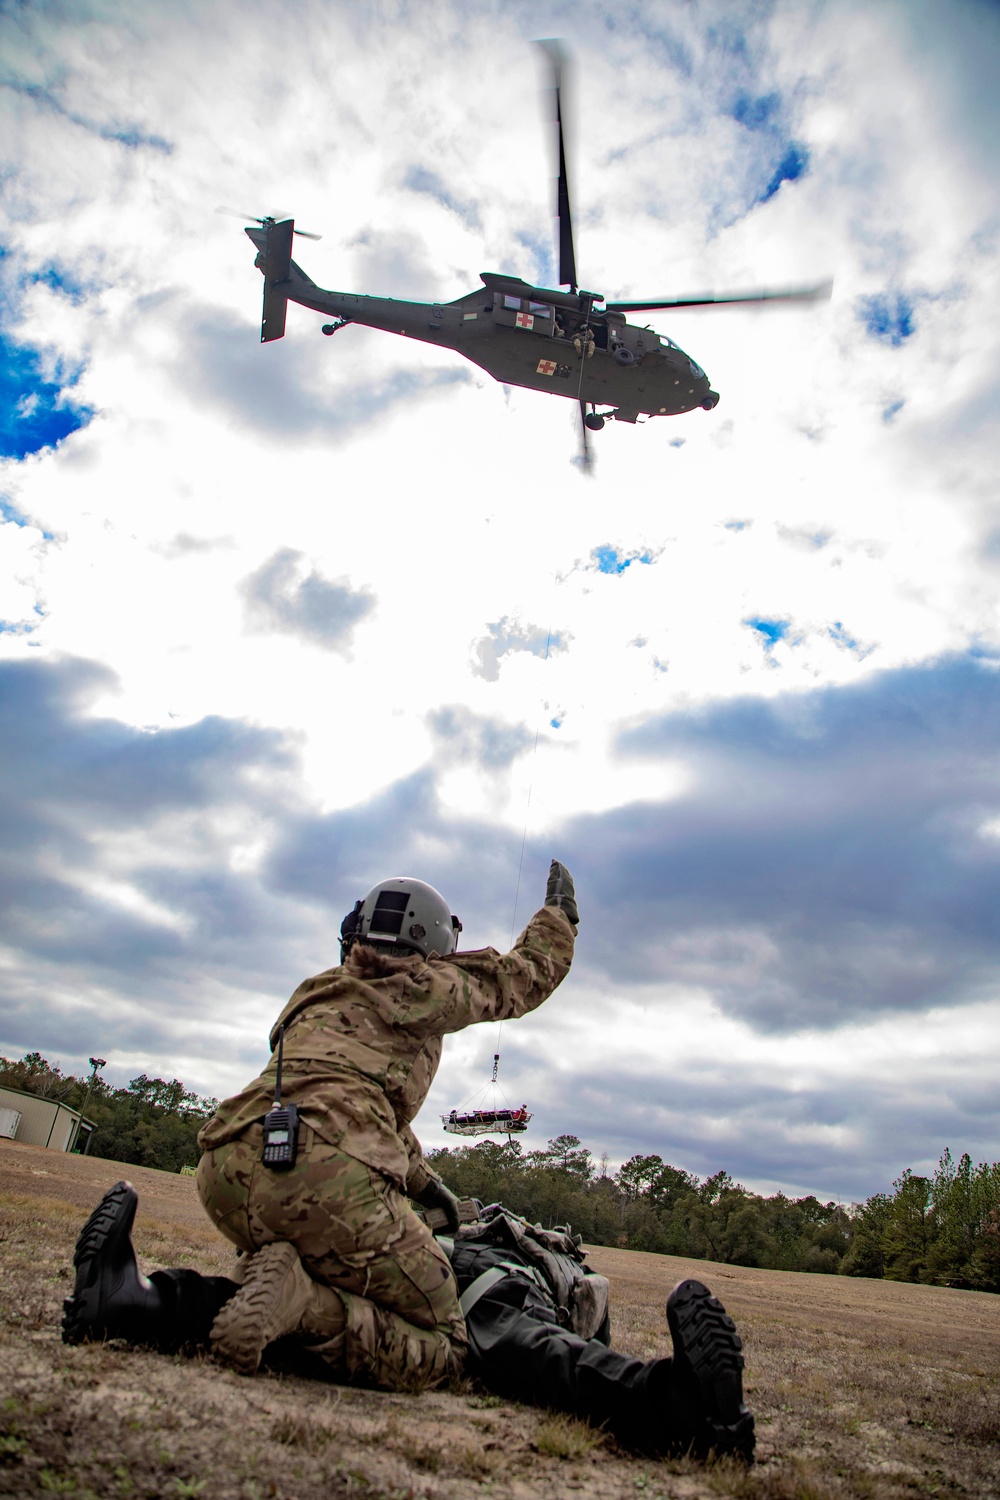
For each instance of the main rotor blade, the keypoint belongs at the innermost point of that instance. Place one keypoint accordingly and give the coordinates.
(821, 292)
(559, 61)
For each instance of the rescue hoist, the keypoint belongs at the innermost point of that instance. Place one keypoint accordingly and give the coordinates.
(475, 1118)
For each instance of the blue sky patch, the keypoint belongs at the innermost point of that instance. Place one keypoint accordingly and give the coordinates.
(887, 317)
(892, 410)
(677, 442)
(34, 413)
(610, 560)
(772, 630)
(842, 637)
(10, 513)
(793, 165)
(556, 723)
(848, 642)
(757, 113)
(59, 281)
(13, 517)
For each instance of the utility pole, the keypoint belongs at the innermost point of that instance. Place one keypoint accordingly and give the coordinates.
(95, 1063)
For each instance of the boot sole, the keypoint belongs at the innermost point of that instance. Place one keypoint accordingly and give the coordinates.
(705, 1336)
(248, 1323)
(110, 1222)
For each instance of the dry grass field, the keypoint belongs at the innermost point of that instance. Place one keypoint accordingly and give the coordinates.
(860, 1388)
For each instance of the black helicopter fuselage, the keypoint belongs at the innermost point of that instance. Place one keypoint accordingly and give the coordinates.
(544, 340)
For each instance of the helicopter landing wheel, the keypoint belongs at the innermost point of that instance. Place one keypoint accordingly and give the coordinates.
(594, 421)
(711, 401)
(329, 328)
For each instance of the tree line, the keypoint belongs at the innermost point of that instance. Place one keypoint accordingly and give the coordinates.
(943, 1230)
(649, 1205)
(151, 1123)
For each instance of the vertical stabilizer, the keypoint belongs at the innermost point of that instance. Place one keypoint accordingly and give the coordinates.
(277, 279)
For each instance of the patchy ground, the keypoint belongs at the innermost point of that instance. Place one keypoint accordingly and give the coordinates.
(861, 1388)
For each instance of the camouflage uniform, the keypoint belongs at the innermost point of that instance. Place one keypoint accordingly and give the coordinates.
(361, 1047)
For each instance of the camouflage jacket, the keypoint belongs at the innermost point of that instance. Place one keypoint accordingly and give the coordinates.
(363, 1041)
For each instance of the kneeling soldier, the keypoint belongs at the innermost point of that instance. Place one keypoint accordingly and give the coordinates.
(333, 1247)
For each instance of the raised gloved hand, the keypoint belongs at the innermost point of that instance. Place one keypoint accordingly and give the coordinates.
(436, 1195)
(560, 891)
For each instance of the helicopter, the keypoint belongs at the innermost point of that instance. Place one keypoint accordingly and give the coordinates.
(566, 342)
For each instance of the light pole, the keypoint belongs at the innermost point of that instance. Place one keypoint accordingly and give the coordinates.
(95, 1063)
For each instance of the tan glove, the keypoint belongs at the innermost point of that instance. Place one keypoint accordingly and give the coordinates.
(436, 1195)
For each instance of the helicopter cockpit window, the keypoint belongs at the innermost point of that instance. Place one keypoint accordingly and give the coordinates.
(666, 343)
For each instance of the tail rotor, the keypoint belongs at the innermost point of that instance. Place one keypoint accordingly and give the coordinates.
(234, 213)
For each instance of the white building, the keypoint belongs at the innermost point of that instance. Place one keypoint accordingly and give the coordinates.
(35, 1121)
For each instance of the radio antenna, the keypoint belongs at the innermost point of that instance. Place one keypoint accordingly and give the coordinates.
(277, 1081)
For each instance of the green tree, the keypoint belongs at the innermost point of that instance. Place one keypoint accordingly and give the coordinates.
(569, 1154)
(34, 1075)
(909, 1229)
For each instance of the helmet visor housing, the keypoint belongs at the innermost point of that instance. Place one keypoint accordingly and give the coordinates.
(408, 916)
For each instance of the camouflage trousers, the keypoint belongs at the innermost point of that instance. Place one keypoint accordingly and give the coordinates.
(392, 1317)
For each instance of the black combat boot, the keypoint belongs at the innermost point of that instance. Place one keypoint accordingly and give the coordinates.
(703, 1387)
(113, 1300)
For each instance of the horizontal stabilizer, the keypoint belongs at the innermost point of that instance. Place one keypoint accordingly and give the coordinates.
(277, 279)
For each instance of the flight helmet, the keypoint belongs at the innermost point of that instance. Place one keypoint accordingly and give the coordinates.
(401, 916)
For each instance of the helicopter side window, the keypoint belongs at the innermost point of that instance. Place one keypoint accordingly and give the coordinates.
(513, 304)
(540, 309)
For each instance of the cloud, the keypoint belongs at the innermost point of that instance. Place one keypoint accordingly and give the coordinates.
(505, 637)
(123, 906)
(731, 1109)
(281, 596)
(125, 132)
(330, 860)
(278, 388)
(420, 179)
(185, 545)
(831, 861)
(468, 736)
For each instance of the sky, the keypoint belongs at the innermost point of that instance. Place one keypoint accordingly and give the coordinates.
(279, 621)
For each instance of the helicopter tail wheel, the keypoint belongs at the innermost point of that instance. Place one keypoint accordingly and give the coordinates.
(594, 421)
(711, 401)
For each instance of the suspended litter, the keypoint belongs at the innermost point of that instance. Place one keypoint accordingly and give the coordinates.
(487, 1119)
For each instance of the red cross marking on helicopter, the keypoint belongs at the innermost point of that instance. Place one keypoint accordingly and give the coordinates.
(525, 320)
(546, 367)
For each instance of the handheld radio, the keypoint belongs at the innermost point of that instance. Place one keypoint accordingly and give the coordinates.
(281, 1125)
